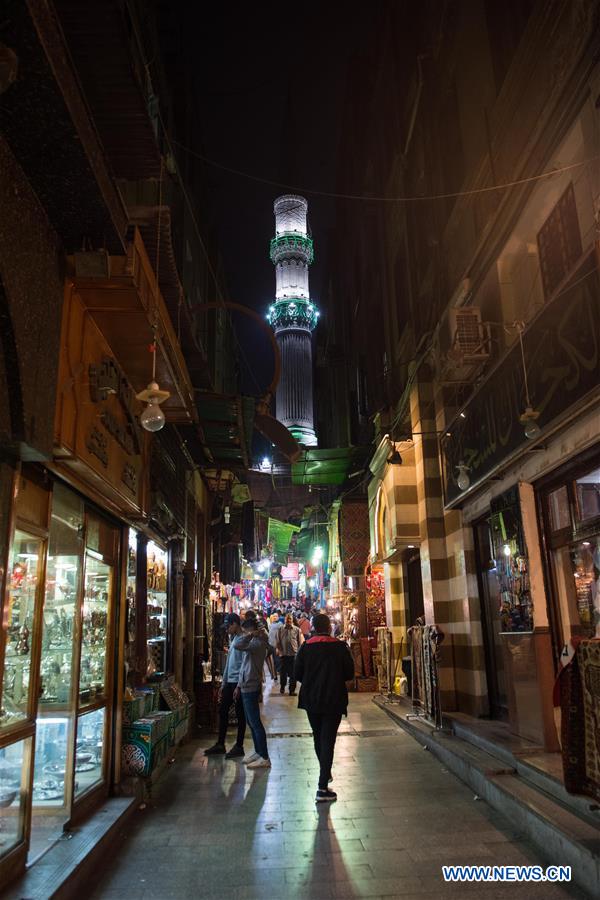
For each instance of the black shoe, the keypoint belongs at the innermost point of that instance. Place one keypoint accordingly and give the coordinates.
(235, 751)
(325, 796)
(292, 693)
(215, 750)
(282, 690)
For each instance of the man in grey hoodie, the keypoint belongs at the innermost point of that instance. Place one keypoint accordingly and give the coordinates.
(253, 643)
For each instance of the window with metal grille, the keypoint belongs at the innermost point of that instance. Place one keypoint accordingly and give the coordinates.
(559, 242)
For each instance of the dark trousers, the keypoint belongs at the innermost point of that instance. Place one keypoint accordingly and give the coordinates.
(259, 735)
(224, 707)
(287, 671)
(324, 729)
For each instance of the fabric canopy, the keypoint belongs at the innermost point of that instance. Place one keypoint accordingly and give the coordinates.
(279, 537)
(329, 466)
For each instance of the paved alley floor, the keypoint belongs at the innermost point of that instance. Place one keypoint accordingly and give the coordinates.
(217, 831)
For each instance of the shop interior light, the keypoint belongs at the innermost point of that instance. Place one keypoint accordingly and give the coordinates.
(312, 583)
(463, 481)
(506, 550)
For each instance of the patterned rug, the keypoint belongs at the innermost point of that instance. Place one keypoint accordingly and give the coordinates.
(580, 720)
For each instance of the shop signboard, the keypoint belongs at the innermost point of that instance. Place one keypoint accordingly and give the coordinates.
(98, 437)
(562, 353)
(291, 572)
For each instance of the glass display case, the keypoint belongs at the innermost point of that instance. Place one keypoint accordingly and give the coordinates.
(14, 769)
(130, 634)
(157, 607)
(89, 750)
(94, 629)
(20, 622)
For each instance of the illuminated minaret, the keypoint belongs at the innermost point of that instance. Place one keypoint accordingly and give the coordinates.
(293, 317)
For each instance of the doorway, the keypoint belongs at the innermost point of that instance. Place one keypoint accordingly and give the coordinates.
(416, 607)
(491, 622)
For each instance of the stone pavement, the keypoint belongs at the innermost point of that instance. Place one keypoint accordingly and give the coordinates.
(216, 831)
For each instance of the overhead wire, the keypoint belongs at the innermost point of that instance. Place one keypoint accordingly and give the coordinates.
(335, 195)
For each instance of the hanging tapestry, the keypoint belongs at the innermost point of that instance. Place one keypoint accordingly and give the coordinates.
(579, 683)
(354, 537)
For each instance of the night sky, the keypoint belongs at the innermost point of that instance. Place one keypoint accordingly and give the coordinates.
(271, 80)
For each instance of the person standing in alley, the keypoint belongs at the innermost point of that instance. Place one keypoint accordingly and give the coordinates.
(231, 674)
(274, 627)
(288, 639)
(323, 666)
(253, 644)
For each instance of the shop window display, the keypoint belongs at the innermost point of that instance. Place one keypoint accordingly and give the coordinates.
(13, 795)
(157, 607)
(94, 629)
(89, 750)
(511, 566)
(131, 598)
(23, 578)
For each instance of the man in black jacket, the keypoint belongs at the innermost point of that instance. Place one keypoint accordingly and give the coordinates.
(323, 666)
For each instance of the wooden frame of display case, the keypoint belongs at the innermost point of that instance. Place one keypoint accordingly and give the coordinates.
(82, 804)
(23, 518)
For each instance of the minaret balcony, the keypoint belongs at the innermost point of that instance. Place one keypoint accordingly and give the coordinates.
(293, 312)
(290, 244)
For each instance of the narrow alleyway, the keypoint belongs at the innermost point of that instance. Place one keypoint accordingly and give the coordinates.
(216, 830)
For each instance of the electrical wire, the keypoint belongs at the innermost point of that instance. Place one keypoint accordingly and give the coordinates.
(381, 199)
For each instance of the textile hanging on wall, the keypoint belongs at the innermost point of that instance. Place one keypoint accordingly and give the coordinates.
(354, 537)
(425, 643)
(579, 684)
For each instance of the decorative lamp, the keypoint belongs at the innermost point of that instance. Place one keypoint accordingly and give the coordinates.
(463, 481)
(153, 418)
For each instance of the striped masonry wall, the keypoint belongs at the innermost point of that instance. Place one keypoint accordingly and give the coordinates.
(437, 595)
(396, 609)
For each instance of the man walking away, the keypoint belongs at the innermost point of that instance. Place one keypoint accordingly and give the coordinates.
(288, 639)
(323, 666)
(274, 627)
(231, 675)
(253, 644)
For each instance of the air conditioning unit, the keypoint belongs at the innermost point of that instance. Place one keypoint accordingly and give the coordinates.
(467, 345)
(469, 339)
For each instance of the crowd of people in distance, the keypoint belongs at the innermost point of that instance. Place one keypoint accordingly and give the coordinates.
(295, 647)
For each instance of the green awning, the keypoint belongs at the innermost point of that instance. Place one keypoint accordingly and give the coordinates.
(279, 536)
(329, 466)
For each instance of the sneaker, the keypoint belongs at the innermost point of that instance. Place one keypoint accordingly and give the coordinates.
(325, 796)
(215, 749)
(234, 752)
(260, 763)
(250, 757)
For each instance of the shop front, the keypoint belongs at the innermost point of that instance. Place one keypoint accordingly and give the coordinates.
(87, 597)
(569, 508)
(58, 675)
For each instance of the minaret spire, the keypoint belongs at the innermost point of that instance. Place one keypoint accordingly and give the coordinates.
(293, 317)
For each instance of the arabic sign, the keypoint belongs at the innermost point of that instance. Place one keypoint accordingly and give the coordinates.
(562, 352)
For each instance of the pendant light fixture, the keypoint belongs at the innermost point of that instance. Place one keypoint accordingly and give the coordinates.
(528, 418)
(463, 481)
(153, 418)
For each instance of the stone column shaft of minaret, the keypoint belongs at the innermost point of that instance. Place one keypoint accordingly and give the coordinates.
(293, 317)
